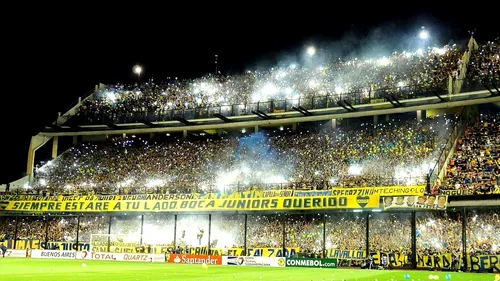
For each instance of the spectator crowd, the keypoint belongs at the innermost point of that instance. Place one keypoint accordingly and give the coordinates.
(392, 153)
(436, 232)
(475, 165)
(484, 65)
(403, 73)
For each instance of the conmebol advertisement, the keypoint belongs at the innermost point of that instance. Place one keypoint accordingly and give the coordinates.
(309, 262)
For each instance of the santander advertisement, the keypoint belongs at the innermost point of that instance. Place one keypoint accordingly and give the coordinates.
(194, 259)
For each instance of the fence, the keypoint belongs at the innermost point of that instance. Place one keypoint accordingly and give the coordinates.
(404, 237)
(274, 106)
(189, 186)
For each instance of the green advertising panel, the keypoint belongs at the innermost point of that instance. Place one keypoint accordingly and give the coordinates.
(310, 262)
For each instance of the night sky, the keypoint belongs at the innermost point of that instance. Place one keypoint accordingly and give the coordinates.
(51, 57)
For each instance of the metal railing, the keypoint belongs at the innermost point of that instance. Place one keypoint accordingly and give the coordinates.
(348, 182)
(470, 84)
(68, 113)
(273, 106)
(457, 131)
(189, 187)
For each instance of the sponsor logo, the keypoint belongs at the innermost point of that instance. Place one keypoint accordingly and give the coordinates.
(311, 263)
(58, 254)
(255, 261)
(235, 260)
(196, 259)
(362, 200)
(102, 256)
(16, 253)
(136, 257)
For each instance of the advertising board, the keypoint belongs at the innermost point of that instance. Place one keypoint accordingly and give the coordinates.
(254, 261)
(310, 262)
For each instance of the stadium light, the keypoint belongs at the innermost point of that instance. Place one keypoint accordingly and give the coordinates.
(137, 70)
(311, 51)
(424, 34)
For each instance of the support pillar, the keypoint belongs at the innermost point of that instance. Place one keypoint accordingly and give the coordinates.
(245, 236)
(75, 140)
(367, 242)
(419, 115)
(185, 134)
(413, 240)
(450, 86)
(46, 232)
(175, 235)
(375, 120)
(256, 129)
(77, 246)
(387, 117)
(15, 231)
(294, 127)
(209, 231)
(109, 232)
(124, 135)
(331, 124)
(35, 143)
(324, 233)
(464, 239)
(142, 228)
(284, 236)
(151, 135)
(55, 141)
(31, 160)
(219, 132)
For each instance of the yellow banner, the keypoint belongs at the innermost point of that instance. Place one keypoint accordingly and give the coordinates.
(381, 191)
(244, 204)
(346, 254)
(485, 263)
(264, 252)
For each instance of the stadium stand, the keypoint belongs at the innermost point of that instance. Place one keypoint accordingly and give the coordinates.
(474, 165)
(405, 74)
(389, 154)
(484, 66)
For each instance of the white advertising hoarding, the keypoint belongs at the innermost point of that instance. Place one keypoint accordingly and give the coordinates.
(254, 261)
(86, 255)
